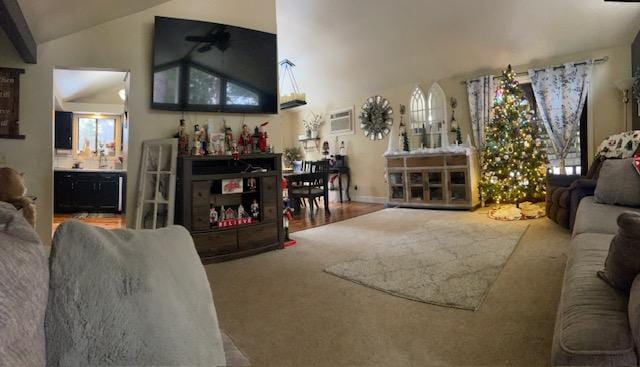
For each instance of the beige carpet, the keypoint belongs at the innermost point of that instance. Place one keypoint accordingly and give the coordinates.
(447, 258)
(283, 310)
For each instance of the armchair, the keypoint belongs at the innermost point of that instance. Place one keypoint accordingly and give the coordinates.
(564, 194)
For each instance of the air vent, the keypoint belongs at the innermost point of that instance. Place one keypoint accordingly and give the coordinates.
(341, 121)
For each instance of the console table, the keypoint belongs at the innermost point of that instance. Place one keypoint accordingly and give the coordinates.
(444, 180)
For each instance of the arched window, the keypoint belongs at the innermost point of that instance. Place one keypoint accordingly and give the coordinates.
(417, 110)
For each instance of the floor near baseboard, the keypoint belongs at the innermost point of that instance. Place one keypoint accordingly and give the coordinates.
(337, 212)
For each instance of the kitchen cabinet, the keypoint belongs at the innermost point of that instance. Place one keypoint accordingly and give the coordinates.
(94, 192)
(63, 130)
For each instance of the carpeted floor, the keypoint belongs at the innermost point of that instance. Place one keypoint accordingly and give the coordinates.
(283, 310)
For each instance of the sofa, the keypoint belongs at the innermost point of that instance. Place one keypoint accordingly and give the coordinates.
(593, 320)
(120, 297)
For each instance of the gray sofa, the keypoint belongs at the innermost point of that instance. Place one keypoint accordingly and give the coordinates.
(593, 323)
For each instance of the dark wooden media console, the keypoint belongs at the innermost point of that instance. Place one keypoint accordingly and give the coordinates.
(206, 183)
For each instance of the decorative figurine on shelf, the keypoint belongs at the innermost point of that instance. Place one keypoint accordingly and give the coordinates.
(196, 143)
(252, 184)
(213, 216)
(235, 153)
(262, 137)
(325, 149)
(244, 142)
(201, 137)
(404, 137)
(242, 213)
(183, 139)
(255, 209)
(216, 143)
(222, 214)
(254, 140)
(228, 137)
(230, 213)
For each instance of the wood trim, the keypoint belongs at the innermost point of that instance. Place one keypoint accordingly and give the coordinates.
(15, 26)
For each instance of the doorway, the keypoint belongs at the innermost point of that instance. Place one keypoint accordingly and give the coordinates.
(90, 147)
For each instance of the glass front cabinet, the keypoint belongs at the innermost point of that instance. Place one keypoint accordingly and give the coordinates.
(434, 180)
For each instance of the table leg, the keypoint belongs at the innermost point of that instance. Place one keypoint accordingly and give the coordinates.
(326, 196)
(348, 185)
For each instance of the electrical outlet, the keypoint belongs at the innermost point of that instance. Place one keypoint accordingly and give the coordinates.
(355, 187)
(3, 159)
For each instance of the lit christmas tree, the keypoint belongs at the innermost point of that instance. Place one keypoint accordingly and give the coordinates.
(513, 159)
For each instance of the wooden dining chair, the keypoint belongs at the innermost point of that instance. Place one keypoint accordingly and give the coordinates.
(309, 186)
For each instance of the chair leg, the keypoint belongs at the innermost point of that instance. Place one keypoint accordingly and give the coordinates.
(311, 206)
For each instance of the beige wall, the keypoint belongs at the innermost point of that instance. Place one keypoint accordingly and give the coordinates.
(606, 115)
(123, 44)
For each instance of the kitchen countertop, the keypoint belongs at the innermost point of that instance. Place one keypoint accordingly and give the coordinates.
(93, 170)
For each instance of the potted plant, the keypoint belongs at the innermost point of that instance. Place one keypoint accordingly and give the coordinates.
(291, 155)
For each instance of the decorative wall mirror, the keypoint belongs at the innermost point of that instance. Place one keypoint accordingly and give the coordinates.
(428, 115)
(376, 118)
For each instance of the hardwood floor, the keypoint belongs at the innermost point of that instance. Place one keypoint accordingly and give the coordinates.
(339, 212)
(301, 221)
(108, 222)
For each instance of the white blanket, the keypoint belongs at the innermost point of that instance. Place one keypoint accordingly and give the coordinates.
(125, 297)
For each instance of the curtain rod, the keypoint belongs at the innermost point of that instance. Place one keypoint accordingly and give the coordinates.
(522, 73)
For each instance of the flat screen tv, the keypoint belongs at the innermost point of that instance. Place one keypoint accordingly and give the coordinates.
(201, 66)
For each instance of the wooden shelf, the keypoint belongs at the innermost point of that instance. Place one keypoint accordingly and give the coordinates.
(14, 137)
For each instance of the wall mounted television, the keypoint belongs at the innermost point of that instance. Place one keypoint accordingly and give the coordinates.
(212, 67)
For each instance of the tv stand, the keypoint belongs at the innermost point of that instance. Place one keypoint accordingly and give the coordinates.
(199, 187)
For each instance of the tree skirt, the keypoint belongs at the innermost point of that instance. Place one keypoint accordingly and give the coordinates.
(445, 258)
(509, 212)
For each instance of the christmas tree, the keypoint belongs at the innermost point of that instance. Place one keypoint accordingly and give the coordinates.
(513, 158)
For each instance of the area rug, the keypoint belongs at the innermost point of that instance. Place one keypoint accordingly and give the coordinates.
(440, 257)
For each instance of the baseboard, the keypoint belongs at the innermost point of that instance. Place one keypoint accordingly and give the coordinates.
(369, 199)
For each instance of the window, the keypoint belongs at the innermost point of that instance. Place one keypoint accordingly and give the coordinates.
(204, 87)
(166, 86)
(576, 161)
(95, 134)
(237, 95)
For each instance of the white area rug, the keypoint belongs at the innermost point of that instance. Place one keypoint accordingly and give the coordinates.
(447, 258)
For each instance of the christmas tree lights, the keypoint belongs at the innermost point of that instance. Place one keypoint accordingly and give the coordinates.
(514, 162)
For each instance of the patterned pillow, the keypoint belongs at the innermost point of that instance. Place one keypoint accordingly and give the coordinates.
(620, 145)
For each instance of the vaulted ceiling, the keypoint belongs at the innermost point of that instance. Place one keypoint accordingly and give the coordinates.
(51, 19)
(355, 47)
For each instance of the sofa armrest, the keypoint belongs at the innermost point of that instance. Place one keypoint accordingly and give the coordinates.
(586, 184)
(561, 180)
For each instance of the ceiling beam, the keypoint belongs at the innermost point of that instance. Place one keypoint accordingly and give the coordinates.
(15, 26)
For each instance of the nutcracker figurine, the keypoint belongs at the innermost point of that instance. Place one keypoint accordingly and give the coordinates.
(183, 139)
(244, 142)
(262, 137)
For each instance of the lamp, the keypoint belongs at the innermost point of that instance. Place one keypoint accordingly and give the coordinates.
(294, 98)
(625, 86)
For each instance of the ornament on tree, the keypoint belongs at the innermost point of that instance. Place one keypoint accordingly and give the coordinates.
(510, 135)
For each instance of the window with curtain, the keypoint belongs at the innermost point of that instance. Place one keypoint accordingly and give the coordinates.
(577, 159)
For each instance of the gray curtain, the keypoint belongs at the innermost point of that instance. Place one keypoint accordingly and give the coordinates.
(560, 94)
(482, 92)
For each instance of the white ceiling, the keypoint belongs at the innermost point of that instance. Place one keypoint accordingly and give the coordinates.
(51, 19)
(88, 85)
(350, 48)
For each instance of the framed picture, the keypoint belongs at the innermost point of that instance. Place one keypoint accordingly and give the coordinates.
(232, 186)
(341, 122)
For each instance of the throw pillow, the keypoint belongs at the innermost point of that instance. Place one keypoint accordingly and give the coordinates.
(618, 183)
(129, 298)
(623, 261)
(24, 283)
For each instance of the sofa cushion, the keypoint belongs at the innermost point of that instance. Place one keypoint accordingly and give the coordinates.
(594, 217)
(24, 283)
(623, 260)
(592, 326)
(129, 297)
(618, 183)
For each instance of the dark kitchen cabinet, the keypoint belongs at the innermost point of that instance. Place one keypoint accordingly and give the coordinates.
(93, 192)
(63, 130)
